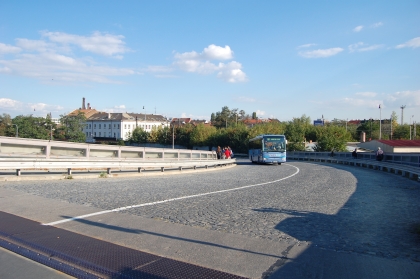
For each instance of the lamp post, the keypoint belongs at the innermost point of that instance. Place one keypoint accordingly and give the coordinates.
(173, 135)
(411, 124)
(390, 120)
(144, 111)
(380, 122)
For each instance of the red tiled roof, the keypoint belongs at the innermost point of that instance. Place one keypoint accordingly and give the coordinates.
(401, 143)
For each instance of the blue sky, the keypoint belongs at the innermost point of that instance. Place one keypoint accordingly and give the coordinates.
(281, 59)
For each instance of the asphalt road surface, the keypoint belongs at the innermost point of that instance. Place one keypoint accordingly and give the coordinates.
(295, 220)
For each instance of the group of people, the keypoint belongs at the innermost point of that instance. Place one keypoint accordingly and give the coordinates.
(224, 153)
(379, 154)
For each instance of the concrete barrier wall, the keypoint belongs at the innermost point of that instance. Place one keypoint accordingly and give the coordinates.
(412, 159)
(28, 148)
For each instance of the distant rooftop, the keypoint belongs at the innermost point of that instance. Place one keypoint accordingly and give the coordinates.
(401, 143)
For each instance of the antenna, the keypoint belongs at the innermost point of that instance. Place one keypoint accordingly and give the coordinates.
(402, 114)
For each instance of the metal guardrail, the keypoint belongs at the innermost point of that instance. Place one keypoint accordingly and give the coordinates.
(20, 147)
(410, 159)
(29, 154)
(411, 171)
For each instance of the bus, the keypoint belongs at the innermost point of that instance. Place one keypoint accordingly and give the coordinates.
(268, 149)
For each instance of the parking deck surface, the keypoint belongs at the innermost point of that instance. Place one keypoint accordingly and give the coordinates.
(297, 220)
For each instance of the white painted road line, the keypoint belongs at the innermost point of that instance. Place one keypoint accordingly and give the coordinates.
(169, 200)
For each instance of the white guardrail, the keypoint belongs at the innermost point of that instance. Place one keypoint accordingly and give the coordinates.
(31, 154)
(409, 159)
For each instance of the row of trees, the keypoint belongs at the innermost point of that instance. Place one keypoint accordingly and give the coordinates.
(228, 129)
(70, 128)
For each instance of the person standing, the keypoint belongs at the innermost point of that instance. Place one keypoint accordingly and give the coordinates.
(379, 154)
(227, 153)
(354, 153)
(219, 152)
(231, 152)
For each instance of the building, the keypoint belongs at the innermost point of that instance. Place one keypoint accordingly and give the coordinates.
(392, 146)
(115, 126)
(108, 126)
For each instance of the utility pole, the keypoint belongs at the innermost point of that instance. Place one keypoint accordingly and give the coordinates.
(391, 125)
(380, 122)
(402, 114)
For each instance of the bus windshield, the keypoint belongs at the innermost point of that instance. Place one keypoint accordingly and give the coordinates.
(273, 143)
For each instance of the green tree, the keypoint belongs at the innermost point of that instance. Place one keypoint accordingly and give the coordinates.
(183, 134)
(331, 138)
(222, 117)
(158, 135)
(32, 127)
(71, 128)
(296, 131)
(5, 122)
(276, 128)
(370, 127)
(402, 132)
(201, 135)
(138, 136)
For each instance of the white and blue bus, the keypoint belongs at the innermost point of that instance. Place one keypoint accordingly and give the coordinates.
(268, 149)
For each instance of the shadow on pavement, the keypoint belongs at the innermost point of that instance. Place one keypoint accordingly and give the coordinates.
(371, 236)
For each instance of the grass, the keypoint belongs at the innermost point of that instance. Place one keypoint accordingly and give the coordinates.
(103, 175)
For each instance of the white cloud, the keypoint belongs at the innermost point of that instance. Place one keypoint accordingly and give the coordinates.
(260, 112)
(371, 100)
(367, 94)
(200, 63)
(214, 52)
(16, 107)
(413, 43)
(306, 46)
(321, 53)
(408, 98)
(376, 25)
(51, 67)
(35, 45)
(8, 49)
(231, 72)
(99, 43)
(53, 58)
(358, 28)
(158, 69)
(361, 47)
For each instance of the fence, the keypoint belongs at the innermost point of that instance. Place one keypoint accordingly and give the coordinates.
(31, 154)
(410, 159)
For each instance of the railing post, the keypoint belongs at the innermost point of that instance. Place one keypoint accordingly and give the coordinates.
(108, 171)
(18, 172)
(69, 171)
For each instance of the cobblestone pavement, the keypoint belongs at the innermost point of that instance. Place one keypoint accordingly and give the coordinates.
(333, 207)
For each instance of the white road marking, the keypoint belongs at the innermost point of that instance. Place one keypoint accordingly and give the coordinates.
(169, 200)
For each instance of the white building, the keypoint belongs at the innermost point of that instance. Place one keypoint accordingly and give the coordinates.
(103, 125)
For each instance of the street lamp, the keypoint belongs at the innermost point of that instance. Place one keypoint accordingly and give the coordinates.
(411, 124)
(380, 122)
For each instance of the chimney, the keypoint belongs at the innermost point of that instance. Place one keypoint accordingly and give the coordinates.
(89, 106)
(83, 104)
